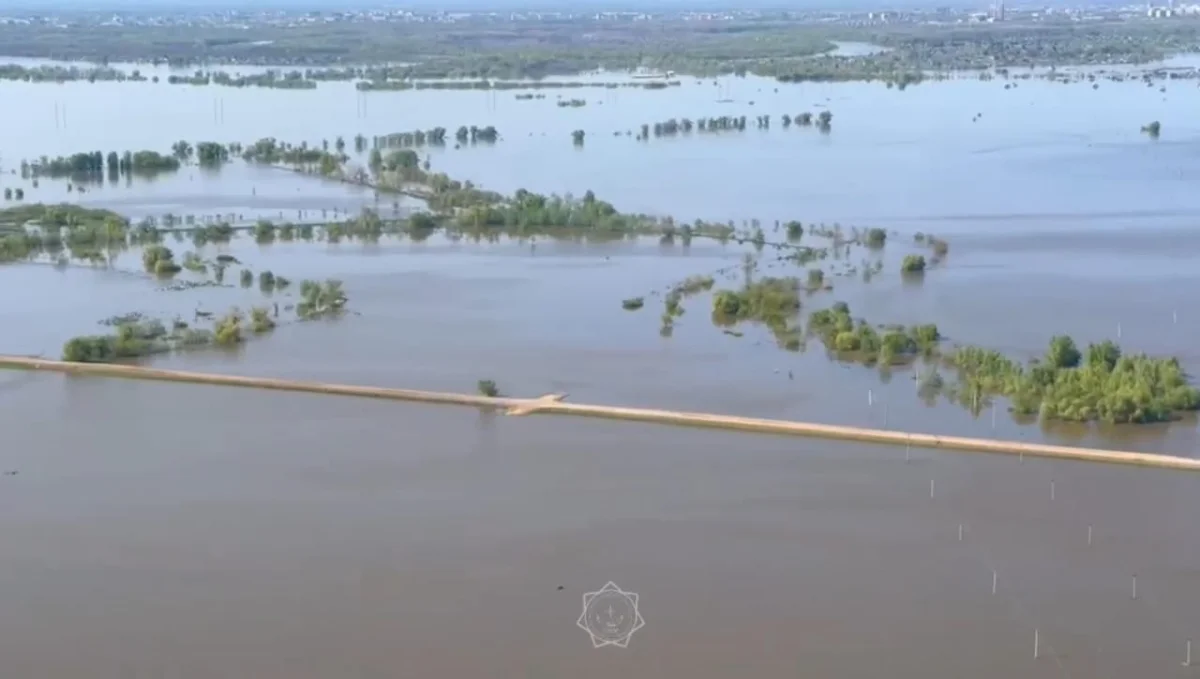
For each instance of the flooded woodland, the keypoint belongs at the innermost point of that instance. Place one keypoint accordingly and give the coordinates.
(171, 530)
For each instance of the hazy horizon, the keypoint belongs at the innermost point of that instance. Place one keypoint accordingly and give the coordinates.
(49, 6)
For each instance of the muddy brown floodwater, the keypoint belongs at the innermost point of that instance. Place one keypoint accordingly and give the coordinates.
(186, 532)
(182, 531)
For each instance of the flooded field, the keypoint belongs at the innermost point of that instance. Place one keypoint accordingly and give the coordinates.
(162, 530)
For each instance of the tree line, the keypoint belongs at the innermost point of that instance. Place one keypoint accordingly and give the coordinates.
(95, 164)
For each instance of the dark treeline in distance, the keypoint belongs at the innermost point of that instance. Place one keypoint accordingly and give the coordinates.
(205, 153)
(683, 126)
(271, 151)
(63, 74)
(95, 165)
(400, 85)
(368, 79)
(291, 80)
(325, 158)
(484, 47)
(791, 48)
(435, 137)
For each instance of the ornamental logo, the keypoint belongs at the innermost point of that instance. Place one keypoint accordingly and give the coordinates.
(610, 616)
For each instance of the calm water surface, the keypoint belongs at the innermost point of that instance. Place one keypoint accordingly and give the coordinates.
(175, 531)
(195, 532)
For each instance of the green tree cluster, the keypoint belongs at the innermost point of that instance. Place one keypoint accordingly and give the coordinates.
(912, 264)
(211, 154)
(859, 340)
(319, 299)
(159, 260)
(1100, 383)
(474, 134)
(39, 228)
(228, 330)
(875, 238)
(131, 340)
(795, 231)
(261, 321)
(774, 302)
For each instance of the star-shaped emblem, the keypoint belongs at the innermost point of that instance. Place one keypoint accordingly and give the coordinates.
(610, 616)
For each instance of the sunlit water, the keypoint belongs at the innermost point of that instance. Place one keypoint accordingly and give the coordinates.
(159, 530)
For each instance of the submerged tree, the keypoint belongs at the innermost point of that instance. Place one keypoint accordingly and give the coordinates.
(158, 259)
(824, 119)
(318, 299)
(875, 238)
(912, 264)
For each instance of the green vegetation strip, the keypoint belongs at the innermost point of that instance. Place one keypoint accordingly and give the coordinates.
(552, 404)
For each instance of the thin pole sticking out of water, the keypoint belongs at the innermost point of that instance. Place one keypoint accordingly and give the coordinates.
(1118, 331)
(1134, 592)
(907, 451)
(1187, 662)
(1175, 321)
(994, 579)
(931, 489)
(1051, 489)
(960, 532)
(1089, 536)
(870, 399)
(1036, 644)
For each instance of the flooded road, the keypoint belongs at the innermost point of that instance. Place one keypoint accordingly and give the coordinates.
(199, 532)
